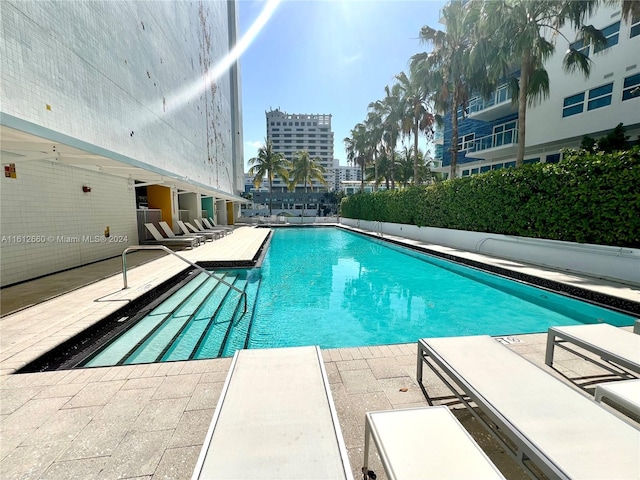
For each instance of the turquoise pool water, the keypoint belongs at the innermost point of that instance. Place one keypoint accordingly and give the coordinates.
(335, 288)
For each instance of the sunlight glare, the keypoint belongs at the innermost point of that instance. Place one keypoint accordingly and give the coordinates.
(196, 87)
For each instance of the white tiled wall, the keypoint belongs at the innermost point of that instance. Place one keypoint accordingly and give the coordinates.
(49, 224)
(128, 76)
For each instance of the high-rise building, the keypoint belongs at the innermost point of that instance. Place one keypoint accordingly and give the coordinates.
(291, 133)
(109, 112)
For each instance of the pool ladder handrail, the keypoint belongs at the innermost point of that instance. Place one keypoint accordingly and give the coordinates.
(377, 224)
(168, 250)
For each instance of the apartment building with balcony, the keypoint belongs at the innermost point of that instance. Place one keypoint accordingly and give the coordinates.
(488, 128)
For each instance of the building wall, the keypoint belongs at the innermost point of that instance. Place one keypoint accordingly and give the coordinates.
(127, 76)
(548, 132)
(546, 123)
(49, 224)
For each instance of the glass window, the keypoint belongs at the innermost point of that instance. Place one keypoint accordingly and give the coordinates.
(510, 165)
(631, 87)
(573, 105)
(635, 26)
(555, 158)
(466, 142)
(600, 97)
(278, 123)
(465, 173)
(611, 33)
(531, 160)
(474, 171)
(485, 168)
(581, 47)
(497, 166)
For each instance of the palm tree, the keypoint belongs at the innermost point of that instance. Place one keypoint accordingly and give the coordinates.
(356, 148)
(388, 113)
(449, 70)
(520, 35)
(416, 117)
(268, 164)
(305, 169)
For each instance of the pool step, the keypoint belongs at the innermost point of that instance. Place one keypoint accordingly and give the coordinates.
(192, 323)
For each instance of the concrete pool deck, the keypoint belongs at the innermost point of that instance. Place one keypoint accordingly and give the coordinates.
(149, 421)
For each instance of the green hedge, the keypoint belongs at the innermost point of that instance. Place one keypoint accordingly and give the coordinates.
(586, 198)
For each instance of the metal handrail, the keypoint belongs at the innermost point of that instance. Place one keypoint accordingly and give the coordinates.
(168, 250)
(378, 224)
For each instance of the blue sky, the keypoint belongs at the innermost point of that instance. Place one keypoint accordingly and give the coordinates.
(326, 57)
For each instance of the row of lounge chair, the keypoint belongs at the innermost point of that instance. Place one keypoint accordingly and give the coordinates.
(191, 237)
(276, 419)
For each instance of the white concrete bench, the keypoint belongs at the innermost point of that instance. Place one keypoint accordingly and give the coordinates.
(425, 443)
(625, 393)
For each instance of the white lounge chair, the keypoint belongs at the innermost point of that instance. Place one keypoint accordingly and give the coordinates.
(275, 419)
(425, 443)
(552, 424)
(187, 227)
(610, 343)
(209, 224)
(169, 233)
(625, 393)
(160, 240)
(203, 229)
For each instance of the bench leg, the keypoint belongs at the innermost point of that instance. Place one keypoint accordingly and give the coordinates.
(419, 368)
(551, 343)
(367, 438)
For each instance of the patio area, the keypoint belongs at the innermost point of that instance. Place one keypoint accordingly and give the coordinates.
(149, 421)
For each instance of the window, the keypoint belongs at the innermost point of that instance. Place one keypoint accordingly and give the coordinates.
(299, 129)
(581, 47)
(497, 166)
(504, 134)
(315, 124)
(631, 87)
(554, 158)
(485, 168)
(600, 97)
(297, 124)
(635, 26)
(275, 129)
(272, 124)
(308, 124)
(466, 142)
(527, 161)
(474, 171)
(573, 105)
(278, 123)
(611, 33)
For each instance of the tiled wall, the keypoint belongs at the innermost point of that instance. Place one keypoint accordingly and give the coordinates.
(127, 76)
(49, 224)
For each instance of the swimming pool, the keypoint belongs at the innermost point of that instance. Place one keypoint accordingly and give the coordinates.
(335, 288)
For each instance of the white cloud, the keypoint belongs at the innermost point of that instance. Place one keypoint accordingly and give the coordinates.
(352, 58)
(254, 144)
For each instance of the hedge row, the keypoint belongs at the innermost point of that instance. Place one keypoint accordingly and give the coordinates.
(586, 198)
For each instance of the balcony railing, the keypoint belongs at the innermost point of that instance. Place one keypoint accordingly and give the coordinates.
(506, 137)
(501, 95)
